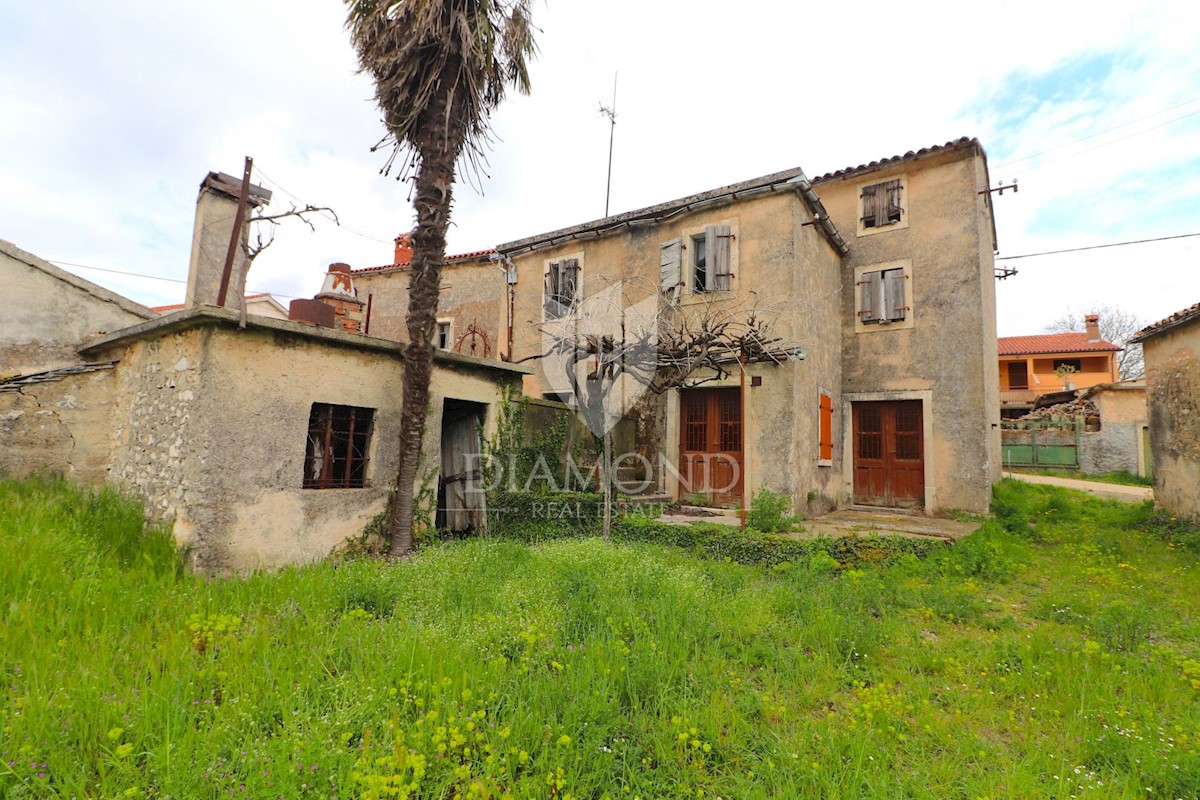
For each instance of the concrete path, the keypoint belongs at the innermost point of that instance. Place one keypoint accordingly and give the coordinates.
(853, 522)
(1115, 491)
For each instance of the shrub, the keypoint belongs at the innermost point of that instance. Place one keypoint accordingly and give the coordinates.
(768, 512)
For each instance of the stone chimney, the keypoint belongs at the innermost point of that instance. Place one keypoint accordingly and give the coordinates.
(338, 291)
(403, 250)
(216, 209)
(1092, 324)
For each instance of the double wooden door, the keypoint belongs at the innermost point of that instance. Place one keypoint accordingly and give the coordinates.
(889, 454)
(710, 442)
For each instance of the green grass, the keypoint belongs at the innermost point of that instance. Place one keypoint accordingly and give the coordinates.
(1053, 654)
(1123, 477)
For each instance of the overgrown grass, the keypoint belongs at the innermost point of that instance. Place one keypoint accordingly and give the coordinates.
(1053, 654)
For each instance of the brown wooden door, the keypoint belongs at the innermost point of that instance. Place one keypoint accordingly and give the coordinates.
(889, 454)
(710, 443)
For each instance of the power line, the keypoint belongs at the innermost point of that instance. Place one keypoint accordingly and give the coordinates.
(159, 277)
(1111, 141)
(1097, 247)
(297, 198)
(1101, 133)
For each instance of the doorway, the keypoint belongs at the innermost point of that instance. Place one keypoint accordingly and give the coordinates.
(889, 453)
(710, 444)
(460, 503)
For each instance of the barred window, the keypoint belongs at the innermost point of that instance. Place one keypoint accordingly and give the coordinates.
(338, 440)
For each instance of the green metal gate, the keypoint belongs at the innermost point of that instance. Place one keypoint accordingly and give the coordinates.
(1053, 444)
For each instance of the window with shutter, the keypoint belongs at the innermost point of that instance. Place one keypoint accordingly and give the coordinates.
(700, 263)
(883, 296)
(721, 252)
(882, 205)
(561, 289)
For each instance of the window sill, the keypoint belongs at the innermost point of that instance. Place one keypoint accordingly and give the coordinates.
(891, 226)
(695, 298)
(824, 462)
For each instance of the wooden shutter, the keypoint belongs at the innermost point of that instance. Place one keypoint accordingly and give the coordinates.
(894, 294)
(550, 292)
(568, 285)
(710, 254)
(868, 206)
(826, 427)
(670, 272)
(869, 296)
(892, 194)
(720, 257)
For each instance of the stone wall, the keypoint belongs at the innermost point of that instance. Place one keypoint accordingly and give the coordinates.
(58, 425)
(1173, 388)
(48, 313)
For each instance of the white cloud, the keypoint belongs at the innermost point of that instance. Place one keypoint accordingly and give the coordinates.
(114, 113)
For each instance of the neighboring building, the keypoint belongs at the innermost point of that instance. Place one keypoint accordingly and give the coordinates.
(1033, 366)
(1122, 441)
(1172, 352)
(260, 304)
(48, 312)
(472, 308)
(883, 273)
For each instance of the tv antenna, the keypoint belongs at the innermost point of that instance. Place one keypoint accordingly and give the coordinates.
(611, 113)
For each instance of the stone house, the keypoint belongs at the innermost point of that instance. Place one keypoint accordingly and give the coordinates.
(264, 445)
(881, 273)
(472, 308)
(1034, 366)
(1171, 348)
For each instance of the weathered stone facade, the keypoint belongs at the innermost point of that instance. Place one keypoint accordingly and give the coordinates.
(1172, 352)
(789, 263)
(210, 423)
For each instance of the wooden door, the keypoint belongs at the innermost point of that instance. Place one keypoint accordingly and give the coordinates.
(710, 442)
(889, 454)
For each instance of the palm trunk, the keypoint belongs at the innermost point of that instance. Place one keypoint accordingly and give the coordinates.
(437, 153)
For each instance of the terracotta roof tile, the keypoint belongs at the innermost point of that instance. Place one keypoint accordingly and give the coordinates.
(1052, 343)
(457, 257)
(1191, 312)
(845, 172)
(177, 306)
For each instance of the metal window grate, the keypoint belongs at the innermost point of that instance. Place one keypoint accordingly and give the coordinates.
(335, 456)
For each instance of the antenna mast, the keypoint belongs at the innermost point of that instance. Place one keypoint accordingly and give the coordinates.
(611, 113)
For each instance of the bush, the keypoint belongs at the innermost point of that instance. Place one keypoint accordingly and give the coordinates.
(768, 512)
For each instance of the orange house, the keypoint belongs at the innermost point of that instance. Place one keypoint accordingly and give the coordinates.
(1031, 366)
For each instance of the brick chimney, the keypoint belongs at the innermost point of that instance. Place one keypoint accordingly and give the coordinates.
(216, 208)
(1092, 324)
(403, 250)
(338, 291)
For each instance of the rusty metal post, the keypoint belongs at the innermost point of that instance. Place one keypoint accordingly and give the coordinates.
(243, 197)
(742, 406)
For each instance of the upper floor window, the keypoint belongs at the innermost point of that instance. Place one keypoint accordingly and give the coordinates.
(335, 456)
(883, 296)
(702, 261)
(561, 291)
(442, 336)
(882, 206)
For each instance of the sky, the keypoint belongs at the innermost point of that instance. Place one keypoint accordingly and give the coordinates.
(112, 113)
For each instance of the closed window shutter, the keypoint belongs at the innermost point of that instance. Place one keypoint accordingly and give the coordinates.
(826, 433)
(721, 257)
(869, 294)
(868, 206)
(893, 201)
(894, 295)
(670, 271)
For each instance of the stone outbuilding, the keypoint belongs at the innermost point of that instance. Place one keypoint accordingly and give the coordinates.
(1171, 348)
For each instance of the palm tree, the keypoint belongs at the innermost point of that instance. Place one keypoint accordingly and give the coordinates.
(440, 67)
